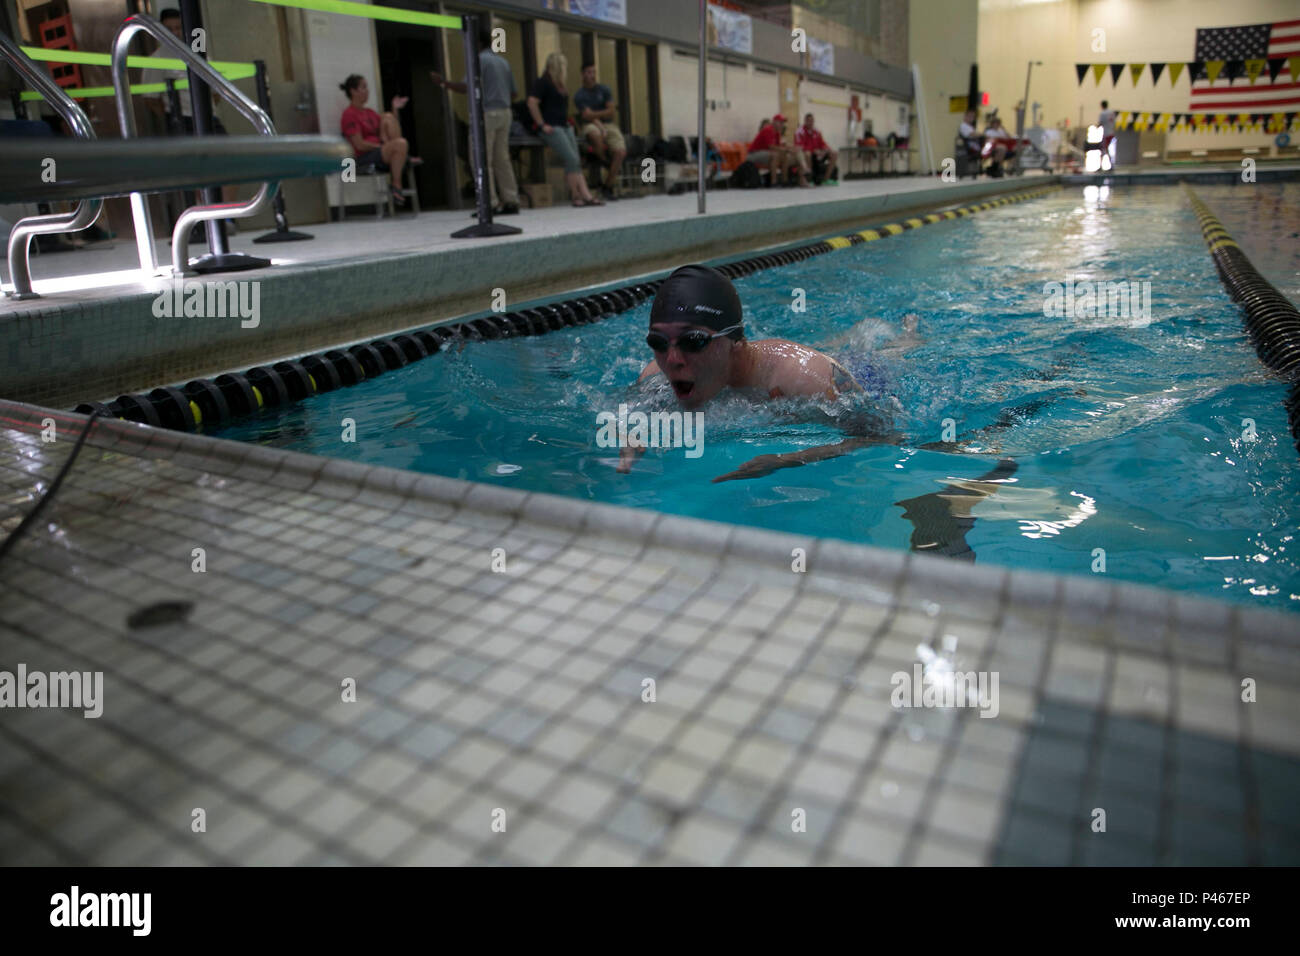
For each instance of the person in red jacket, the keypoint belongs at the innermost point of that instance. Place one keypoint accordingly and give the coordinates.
(809, 139)
(767, 149)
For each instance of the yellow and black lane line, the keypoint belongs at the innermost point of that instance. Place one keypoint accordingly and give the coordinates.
(214, 403)
(1271, 320)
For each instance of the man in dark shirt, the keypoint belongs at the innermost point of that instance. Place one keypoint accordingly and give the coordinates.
(595, 105)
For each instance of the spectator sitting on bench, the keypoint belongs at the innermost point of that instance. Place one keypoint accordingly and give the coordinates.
(969, 136)
(767, 149)
(995, 139)
(595, 105)
(498, 90)
(376, 140)
(548, 105)
(820, 156)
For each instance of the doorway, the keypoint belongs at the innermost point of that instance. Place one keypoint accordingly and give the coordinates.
(407, 55)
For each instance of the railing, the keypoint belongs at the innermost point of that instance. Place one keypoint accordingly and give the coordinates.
(139, 23)
(86, 212)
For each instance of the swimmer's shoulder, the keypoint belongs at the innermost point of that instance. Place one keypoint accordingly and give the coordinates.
(651, 369)
(798, 369)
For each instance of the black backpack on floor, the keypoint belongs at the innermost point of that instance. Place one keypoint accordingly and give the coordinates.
(746, 176)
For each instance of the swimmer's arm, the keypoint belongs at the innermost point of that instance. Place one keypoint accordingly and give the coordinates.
(628, 455)
(766, 464)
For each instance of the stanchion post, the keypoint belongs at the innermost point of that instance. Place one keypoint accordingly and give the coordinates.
(702, 150)
(478, 140)
(282, 231)
(201, 104)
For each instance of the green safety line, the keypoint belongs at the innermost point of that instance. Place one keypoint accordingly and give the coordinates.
(371, 12)
(88, 92)
(230, 69)
(104, 59)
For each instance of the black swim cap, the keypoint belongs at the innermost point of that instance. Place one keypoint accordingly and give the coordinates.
(701, 296)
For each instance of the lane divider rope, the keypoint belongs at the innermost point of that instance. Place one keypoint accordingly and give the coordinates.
(1271, 321)
(215, 403)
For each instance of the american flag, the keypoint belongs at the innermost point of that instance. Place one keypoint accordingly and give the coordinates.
(1257, 42)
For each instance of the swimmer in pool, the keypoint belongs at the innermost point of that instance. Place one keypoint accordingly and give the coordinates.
(698, 339)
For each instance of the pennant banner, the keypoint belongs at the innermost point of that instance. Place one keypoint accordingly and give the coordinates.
(1218, 122)
(1175, 71)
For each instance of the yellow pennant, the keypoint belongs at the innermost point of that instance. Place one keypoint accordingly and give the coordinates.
(1175, 71)
(1279, 121)
(1213, 68)
(1136, 70)
(1293, 66)
(1254, 68)
(1220, 120)
(1098, 69)
(1122, 122)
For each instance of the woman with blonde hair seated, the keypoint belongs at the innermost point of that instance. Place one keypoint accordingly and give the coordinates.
(548, 103)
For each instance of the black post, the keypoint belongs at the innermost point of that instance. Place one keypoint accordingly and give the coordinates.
(282, 231)
(477, 141)
(173, 118)
(219, 258)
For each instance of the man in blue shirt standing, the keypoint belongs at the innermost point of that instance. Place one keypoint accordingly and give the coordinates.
(498, 93)
(595, 105)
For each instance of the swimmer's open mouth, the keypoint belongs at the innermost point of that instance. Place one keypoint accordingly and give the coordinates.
(682, 387)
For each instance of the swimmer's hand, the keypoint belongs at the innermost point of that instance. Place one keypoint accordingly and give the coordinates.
(628, 456)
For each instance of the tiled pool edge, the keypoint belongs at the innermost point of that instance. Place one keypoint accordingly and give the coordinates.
(1274, 632)
(524, 690)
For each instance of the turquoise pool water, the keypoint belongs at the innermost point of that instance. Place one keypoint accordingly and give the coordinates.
(1126, 430)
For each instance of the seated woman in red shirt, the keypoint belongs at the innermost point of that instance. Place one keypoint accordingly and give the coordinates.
(767, 149)
(376, 140)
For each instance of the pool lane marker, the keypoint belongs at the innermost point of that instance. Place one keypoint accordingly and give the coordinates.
(216, 402)
(1271, 320)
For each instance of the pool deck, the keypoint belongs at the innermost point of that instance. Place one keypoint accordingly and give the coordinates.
(519, 694)
(365, 277)
(501, 643)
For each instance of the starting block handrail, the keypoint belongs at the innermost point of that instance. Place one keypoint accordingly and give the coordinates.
(86, 211)
(139, 23)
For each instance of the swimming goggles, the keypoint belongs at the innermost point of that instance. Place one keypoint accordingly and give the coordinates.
(696, 340)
